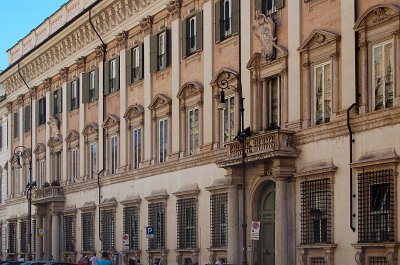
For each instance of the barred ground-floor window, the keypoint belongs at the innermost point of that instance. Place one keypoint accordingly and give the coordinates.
(157, 221)
(107, 229)
(12, 237)
(187, 223)
(23, 235)
(69, 233)
(87, 226)
(131, 226)
(219, 220)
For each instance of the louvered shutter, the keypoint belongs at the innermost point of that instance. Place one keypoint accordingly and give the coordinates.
(258, 5)
(235, 16)
(106, 78)
(37, 113)
(59, 100)
(279, 4)
(199, 31)
(167, 47)
(85, 87)
(96, 83)
(128, 68)
(77, 92)
(153, 53)
(69, 96)
(141, 61)
(184, 38)
(117, 85)
(52, 103)
(217, 21)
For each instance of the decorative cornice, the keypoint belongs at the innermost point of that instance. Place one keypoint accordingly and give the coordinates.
(80, 64)
(122, 38)
(173, 8)
(146, 24)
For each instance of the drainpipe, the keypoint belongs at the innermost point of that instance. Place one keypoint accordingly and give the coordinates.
(99, 187)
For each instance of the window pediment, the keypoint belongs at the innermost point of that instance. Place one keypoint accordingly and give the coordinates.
(158, 196)
(54, 124)
(55, 141)
(134, 111)
(159, 101)
(219, 75)
(109, 203)
(317, 168)
(88, 206)
(72, 137)
(190, 89)
(318, 38)
(40, 148)
(91, 128)
(111, 122)
(376, 158)
(376, 15)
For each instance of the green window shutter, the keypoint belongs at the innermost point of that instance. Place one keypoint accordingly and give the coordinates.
(96, 83)
(199, 31)
(27, 119)
(279, 4)
(106, 84)
(52, 103)
(59, 100)
(184, 38)
(258, 5)
(37, 113)
(85, 87)
(217, 21)
(77, 92)
(128, 63)
(153, 53)
(167, 47)
(141, 61)
(15, 124)
(235, 16)
(69, 96)
(117, 85)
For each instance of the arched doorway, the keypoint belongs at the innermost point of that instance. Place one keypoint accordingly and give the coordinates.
(266, 215)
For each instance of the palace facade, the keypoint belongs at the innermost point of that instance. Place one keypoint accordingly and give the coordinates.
(116, 105)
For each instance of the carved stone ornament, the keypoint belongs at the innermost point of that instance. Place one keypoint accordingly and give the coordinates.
(99, 51)
(360, 258)
(32, 92)
(9, 107)
(379, 15)
(121, 39)
(146, 23)
(63, 73)
(303, 258)
(47, 84)
(319, 38)
(80, 63)
(265, 32)
(54, 125)
(20, 100)
(173, 8)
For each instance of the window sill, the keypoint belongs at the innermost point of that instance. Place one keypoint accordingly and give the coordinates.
(74, 111)
(135, 84)
(160, 73)
(92, 104)
(196, 56)
(113, 94)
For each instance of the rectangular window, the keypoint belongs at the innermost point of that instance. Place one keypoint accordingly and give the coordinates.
(193, 131)
(219, 220)
(376, 209)
(131, 226)
(157, 221)
(114, 154)
(316, 211)
(107, 229)
(74, 165)
(57, 166)
(87, 220)
(192, 34)
(274, 100)
(69, 233)
(27, 119)
(93, 160)
(187, 223)
(162, 55)
(12, 237)
(322, 93)
(268, 7)
(135, 63)
(74, 95)
(23, 235)
(113, 75)
(42, 111)
(383, 75)
(227, 18)
(137, 147)
(17, 176)
(57, 102)
(162, 140)
(16, 125)
(42, 172)
(92, 86)
(228, 120)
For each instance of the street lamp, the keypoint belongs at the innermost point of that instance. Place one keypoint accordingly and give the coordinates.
(223, 83)
(18, 152)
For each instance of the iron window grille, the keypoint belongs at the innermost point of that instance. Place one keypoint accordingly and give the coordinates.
(157, 221)
(23, 235)
(107, 229)
(376, 206)
(378, 261)
(12, 238)
(219, 220)
(316, 210)
(187, 223)
(87, 223)
(33, 231)
(69, 233)
(131, 225)
(318, 261)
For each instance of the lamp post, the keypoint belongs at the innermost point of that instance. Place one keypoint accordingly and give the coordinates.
(18, 152)
(223, 83)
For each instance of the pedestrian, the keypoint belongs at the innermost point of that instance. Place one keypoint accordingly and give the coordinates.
(93, 259)
(219, 262)
(81, 261)
(138, 262)
(105, 259)
(51, 258)
(132, 261)
(21, 258)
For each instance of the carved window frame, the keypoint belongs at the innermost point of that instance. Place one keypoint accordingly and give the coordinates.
(40, 152)
(72, 141)
(90, 134)
(133, 202)
(88, 207)
(134, 117)
(111, 126)
(55, 144)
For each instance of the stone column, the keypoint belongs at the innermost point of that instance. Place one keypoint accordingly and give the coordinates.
(397, 65)
(123, 164)
(307, 100)
(335, 83)
(281, 244)
(285, 98)
(256, 100)
(265, 104)
(33, 132)
(233, 226)
(55, 236)
(175, 64)
(39, 239)
(45, 238)
(364, 78)
(208, 45)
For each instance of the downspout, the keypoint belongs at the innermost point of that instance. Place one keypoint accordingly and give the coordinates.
(104, 113)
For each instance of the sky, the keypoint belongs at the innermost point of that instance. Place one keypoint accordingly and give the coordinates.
(19, 18)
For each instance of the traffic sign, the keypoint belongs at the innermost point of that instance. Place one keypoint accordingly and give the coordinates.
(125, 239)
(149, 232)
(255, 230)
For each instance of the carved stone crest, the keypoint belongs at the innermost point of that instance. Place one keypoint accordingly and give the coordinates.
(54, 125)
(173, 8)
(80, 63)
(121, 39)
(63, 73)
(265, 32)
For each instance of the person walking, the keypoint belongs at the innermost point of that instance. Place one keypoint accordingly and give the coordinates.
(105, 259)
(93, 259)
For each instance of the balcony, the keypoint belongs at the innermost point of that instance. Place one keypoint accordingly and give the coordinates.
(48, 195)
(262, 146)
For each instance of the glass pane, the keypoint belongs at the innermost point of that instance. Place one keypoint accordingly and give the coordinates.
(379, 79)
(318, 95)
(389, 75)
(327, 93)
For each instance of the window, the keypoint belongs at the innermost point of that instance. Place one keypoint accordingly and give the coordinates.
(42, 172)
(378, 261)
(187, 223)
(322, 93)
(137, 146)
(12, 237)
(192, 34)
(92, 160)
(376, 206)
(274, 100)
(131, 226)
(27, 119)
(42, 111)
(57, 102)
(268, 7)
(316, 211)
(16, 125)
(157, 221)
(227, 18)
(193, 130)
(112, 75)
(162, 50)
(92, 86)
(135, 62)
(159, 51)
(69, 233)
(74, 165)
(162, 140)
(114, 154)
(219, 220)
(17, 176)
(57, 166)
(228, 120)
(74, 95)
(23, 235)
(87, 220)
(383, 75)
(107, 229)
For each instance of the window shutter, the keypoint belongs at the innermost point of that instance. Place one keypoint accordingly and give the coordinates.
(153, 53)
(217, 21)
(306, 1)
(128, 63)
(106, 84)
(167, 45)
(184, 38)
(1, 135)
(96, 83)
(69, 86)
(77, 92)
(141, 61)
(59, 100)
(117, 73)
(235, 16)
(279, 4)
(37, 113)
(52, 103)
(85, 87)
(258, 5)
(16, 131)
(199, 31)
(27, 118)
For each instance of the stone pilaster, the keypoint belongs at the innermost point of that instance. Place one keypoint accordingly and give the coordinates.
(55, 236)
(123, 163)
(307, 99)
(364, 78)
(285, 97)
(175, 68)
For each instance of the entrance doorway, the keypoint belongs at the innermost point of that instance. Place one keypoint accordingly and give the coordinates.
(266, 214)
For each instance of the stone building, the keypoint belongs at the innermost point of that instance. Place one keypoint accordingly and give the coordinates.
(117, 103)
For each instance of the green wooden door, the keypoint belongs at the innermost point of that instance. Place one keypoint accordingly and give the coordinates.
(267, 230)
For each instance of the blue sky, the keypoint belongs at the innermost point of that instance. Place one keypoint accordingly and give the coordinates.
(18, 18)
